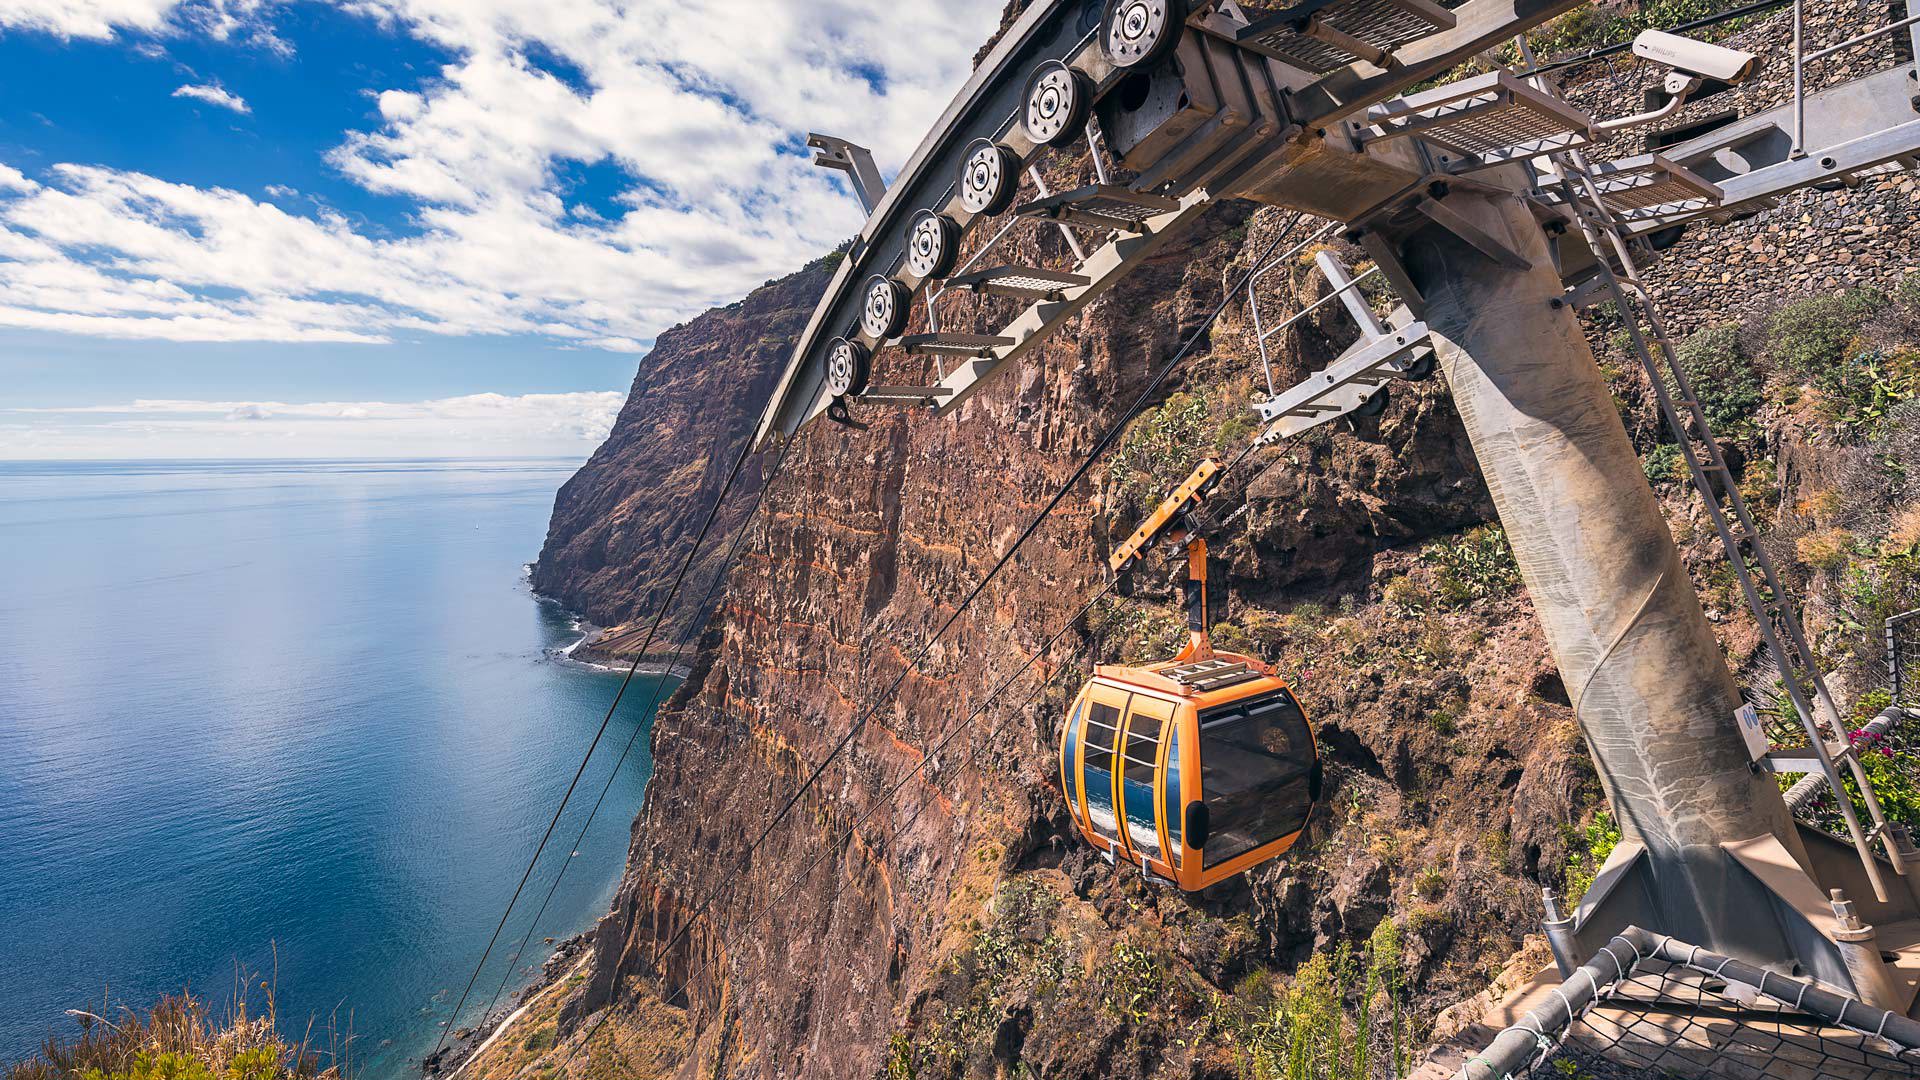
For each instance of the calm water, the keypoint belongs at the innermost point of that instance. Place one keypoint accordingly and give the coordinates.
(304, 707)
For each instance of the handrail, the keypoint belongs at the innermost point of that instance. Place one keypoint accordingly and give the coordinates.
(1253, 300)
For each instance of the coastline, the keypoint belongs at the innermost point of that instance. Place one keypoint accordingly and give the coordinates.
(584, 651)
(464, 1046)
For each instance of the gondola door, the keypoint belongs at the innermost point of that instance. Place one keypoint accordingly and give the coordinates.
(1105, 707)
(1140, 762)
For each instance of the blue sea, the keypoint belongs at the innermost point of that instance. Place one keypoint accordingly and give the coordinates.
(297, 719)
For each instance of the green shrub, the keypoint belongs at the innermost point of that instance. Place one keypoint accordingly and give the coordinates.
(1587, 851)
(177, 1040)
(1862, 391)
(1129, 981)
(1907, 295)
(1341, 1019)
(1475, 565)
(1808, 337)
(1664, 465)
(1724, 378)
(1158, 444)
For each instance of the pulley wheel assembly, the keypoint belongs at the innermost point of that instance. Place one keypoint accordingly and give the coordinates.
(1058, 101)
(884, 314)
(1140, 33)
(986, 177)
(932, 242)
(846, 368)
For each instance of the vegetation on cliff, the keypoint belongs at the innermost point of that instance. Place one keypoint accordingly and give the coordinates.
(180, 1039)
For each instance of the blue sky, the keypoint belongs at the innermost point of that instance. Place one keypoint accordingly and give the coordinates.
(281, 228)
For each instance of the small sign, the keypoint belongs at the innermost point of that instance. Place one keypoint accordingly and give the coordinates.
(1752, 731)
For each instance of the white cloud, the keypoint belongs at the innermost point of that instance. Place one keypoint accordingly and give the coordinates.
(214, 94)
(698, 105)
(491, 424)
(102, 19)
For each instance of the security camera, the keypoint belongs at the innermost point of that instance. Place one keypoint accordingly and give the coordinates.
(1696, 58)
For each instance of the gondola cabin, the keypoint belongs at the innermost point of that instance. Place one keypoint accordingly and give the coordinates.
(1197, 768)
(1211, 767)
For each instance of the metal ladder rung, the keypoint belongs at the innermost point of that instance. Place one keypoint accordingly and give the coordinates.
(1023, 282)
(1100, 206)
(1319, 35)
(1488, 120)
(904, 395)
(961, 345)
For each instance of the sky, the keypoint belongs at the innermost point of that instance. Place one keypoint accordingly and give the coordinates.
(368, 228)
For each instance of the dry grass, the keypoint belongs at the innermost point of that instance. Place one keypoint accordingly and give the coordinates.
(180, 1039)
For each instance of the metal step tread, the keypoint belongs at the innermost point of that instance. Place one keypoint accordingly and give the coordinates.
(1631, 186)
(906, 395)
(1101, 206)
(1492, 118)
(1024, 282)
(1366, 364)
(951, 344)
(1386, 25)
(1213, 674)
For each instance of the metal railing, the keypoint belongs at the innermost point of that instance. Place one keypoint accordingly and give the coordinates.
(1801, 58)
(1260, 336)
(1522, 1049)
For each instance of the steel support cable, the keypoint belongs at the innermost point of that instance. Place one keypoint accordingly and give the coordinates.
(659, 615)
(993, 695)
(687, 635)
(1080, 471)
(887, 797)
(667, 998)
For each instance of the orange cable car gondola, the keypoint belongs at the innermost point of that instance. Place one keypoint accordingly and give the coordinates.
(1197, 768)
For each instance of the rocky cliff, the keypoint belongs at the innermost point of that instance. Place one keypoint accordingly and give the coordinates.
(620, 522)
(961, 930)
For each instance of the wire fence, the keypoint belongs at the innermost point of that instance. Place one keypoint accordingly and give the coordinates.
(1661, 1019)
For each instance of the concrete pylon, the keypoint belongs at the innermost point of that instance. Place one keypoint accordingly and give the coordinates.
(1646, 678)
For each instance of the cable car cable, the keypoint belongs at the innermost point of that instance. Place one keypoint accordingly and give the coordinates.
(1105, 441)
(966, 763)
(687, 634)
(991, 696)
(713, 512)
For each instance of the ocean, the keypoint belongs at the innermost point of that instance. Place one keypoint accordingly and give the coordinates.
(300, 721)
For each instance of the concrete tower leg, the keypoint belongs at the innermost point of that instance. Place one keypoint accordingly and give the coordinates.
(1646, 678)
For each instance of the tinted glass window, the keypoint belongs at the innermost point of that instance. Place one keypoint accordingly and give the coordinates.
(1142, 757)
(1255, 760)
(1103, 729)
(1171, 808)
(1070, 758)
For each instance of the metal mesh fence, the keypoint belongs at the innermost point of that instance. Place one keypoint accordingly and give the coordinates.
(1903, 658)
(1668, 1020)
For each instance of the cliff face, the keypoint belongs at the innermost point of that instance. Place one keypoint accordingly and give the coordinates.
(623, 520)
(962, 929)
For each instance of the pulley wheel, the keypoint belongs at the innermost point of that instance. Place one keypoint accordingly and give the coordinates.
(846, 367)
(1420, 369)
(885, 313)
(1140, 33)
(1374, 405)
(1058, 100)
(932, 242)
(987, 181)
